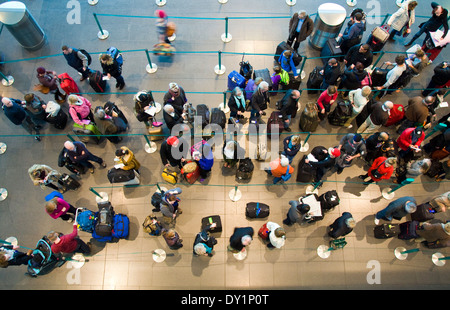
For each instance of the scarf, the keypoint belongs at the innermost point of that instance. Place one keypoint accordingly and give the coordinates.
(240, 101)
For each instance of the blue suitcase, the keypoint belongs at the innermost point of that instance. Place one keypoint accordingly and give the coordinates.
(121, 226)
(235, 79)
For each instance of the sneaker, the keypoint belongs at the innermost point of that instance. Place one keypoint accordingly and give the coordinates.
(103, 164)
(122, 86)
(288, 129)
(349, 126)
(91, 170)
(377, 221)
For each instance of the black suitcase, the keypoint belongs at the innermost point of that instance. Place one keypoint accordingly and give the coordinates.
(69, 182)
(309, 119)
(203, 112)
(330, 50)
(329, 200)
(408, 230)
(284, 46)
(59, 121)
(105, 215)
(375, 44)
(305, 172)
(111, 107)
(378, 76)
(386, 231)
(435, 169)
(218, 117)
(208, 220)
(424, 212)
(120, 175)
(315, 79)
(341, 113)
(264, 74)
(257, 210)
(245, 169)
(96, 81)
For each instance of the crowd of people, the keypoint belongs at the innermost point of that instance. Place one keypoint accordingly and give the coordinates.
(386, 156)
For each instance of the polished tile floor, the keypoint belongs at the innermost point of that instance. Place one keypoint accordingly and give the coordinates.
(364, 263)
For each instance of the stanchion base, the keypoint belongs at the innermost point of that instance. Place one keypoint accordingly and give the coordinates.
(151, 69)
(310, 190)
(323, 252)
(220, 70)
(160, 2)
(159, 255)
(8, 82)
(103, 36)
(12, 240)
(172, 38)
(241, 255)
(351, 2)
(226, 37)
(386, 195)
(78, 261)
(235, 195)
(291, 2)
(92, 2)
(398, 253)
(104, 199)
(150, 148)
(3, 194)
(223, 1)
(2, 147)
(304, 147)
(435, 258)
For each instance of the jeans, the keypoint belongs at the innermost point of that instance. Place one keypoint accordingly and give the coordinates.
(286, 124)
(417, 35)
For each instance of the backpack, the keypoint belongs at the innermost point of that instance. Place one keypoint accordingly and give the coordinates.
(86, 220)
(152, 227)
(156, 200)
(116, 55)
(104, 224)
(85, 53)
(121, 226)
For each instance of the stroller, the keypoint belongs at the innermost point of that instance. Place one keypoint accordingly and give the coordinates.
(43, 259)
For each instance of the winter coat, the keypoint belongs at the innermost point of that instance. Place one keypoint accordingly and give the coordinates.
(16, 114)
(405, 139)
(401, 18)
(83, 110)
(379, 165)
(339, 228)
(305, 30)
(395, 209)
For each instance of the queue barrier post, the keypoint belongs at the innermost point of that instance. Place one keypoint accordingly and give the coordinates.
(150, 146)
(226, 37)
(401, 253)
(388, 193)
(6, 80)
(220, 69)
(151, 67)
(102, 34)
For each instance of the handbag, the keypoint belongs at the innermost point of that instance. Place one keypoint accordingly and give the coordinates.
(169, 176)
(43, 89)
(377, 174)
(287, 176)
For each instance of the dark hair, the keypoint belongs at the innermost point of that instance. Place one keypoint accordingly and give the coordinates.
(358, 16)
(121, 152)
(303, 208)
(64, 47)
(400, 59)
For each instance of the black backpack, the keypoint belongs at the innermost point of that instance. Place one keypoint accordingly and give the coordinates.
(85, 53)
(246, 69)
(104, 224)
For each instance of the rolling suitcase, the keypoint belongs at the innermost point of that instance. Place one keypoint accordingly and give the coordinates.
(263, 232)
(67, 84)
(121, 226)
(69, 182)
(218, 117)
(276, 121)
(59, 121)
(235, 80)
(203, 112)
(315, 79)
(96, 81)
(309, 119)
(329, 200)
(120, 176)
(87, 133)
(341, 113)
(330, 50)
(257, 210)
(305, 172)
(293, 83)
(208, 220)
(190, 172)
(284, 46)
(408, 230)
(378, 76)
(155, 133)
(264, 74)
(378, 38)
(386, 231)
(111, 107)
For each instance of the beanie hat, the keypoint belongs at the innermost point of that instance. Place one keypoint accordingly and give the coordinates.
(335, 152)
(357, 137)
(160, 13)
(172, 140)
(40, 70)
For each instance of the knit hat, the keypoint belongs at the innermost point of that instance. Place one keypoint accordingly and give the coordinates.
(172, 140)
(418, 131)
(40, 70)
(160, 13)
(357, 138)
(334, 152)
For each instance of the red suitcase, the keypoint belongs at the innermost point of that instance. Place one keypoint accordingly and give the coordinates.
(191, 177)
(68, 84)
(263, 232)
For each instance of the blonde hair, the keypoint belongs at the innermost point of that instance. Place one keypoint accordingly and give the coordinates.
(3, 260)
(365, 91)
(50, 206)
(72, 98)
(52, 236)
(296, 139)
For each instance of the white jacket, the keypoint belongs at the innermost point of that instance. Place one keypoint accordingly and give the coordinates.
(399, 19)
(276, 241)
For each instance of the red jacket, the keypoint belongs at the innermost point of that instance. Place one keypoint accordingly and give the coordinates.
(404, 140)
(379, 165)
(67, 244)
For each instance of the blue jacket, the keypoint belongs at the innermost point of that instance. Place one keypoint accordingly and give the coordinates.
(16, 113)
(396, 209)
(287, 64)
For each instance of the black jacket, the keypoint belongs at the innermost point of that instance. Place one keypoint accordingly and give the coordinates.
(239, 232)
(353, 56)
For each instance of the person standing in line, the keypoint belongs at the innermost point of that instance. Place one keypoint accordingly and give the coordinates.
(170, 205)
(296, 213)
(112, 67)
(397, 209)
(241, 237)
(67, 244)
(382, 169)
(10, 256)
(358, 98)
(126, 157)
(59, 208)
(161, 26)
(277, 235)
(435, 235)
(15, 112)
(77, 60)
(49, 79)
(300, 28)
(78, 153)
(351, 146)
(342, 226)
(377, 118)
(440, 78)
(403, 19)
(44, 175)
(259, 101)
(204, 242)
(288, 107)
